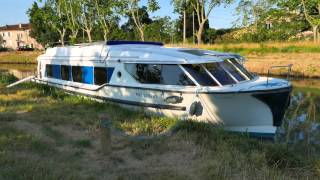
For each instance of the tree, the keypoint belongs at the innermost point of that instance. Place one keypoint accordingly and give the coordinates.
(251, 11)
(41, 30)
(87, 17)
(311, 9)
(203, 9)
(105, 15)
(189, 22)
(182, 6)
(159, 30)
(133, 9)
(57, 18)
(72, 7)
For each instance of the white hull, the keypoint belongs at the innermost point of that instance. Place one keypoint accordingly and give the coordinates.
(231, 110)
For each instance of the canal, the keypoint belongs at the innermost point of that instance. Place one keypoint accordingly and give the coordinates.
(302, 120)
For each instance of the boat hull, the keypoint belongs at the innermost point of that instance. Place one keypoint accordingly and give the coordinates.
(247, 111)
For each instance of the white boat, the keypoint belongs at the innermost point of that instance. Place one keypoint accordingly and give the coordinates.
(182, 82)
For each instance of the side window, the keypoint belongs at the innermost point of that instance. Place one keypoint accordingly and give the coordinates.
(66, 73)
(53, 71)
(77, 74)
(100, 75)
(49, 71)
(145, 73)
(200, 74)
(173, 75)
(159, 74)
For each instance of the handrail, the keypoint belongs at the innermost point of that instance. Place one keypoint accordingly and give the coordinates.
(275, 67)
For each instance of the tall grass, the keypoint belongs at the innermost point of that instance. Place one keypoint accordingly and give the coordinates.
(259, 48)
(24, 57)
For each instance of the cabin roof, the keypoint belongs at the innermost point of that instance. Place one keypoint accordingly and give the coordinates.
(135, 52)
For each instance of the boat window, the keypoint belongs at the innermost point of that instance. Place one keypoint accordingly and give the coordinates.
(66, 73)
(233, 70)
(219, 73)
(173, 75)
(87, 74)
(100, 75)
(159, 74)
(53, 71)
(241, 68)
(200, 74)
(49, 70)
(77, 74)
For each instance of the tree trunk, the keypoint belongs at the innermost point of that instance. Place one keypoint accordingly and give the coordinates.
(89, 35)
(105, 35)
(62, 33)
(315, 33)
(142, 35)
(184, 27)
(200, 32)
(62, 39)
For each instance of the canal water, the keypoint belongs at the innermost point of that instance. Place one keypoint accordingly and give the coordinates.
(301, 123)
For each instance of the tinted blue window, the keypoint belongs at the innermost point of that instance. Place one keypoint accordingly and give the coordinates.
(56, 70)
(87, 75)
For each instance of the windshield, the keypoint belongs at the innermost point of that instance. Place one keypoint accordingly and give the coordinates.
(227, 72)
(199, 73)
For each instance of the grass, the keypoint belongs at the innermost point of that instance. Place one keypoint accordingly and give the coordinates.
(304, 56)
(21, 57)
(260, 48)
(47, 134)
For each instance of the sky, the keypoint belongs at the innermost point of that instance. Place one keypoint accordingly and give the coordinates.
(14, 12)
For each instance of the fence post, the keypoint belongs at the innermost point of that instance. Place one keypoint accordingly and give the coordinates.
(105, 134)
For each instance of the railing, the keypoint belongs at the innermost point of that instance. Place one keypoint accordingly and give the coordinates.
(277, 67)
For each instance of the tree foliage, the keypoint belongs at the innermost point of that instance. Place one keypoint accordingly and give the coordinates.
(93, 20)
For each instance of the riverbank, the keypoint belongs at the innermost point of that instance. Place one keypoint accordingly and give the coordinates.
(19, 57)
(47, 134)
(246, 49)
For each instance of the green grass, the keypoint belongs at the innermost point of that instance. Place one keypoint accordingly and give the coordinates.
(47, 134)
(260, 48)
(265, 49)
(24, 57)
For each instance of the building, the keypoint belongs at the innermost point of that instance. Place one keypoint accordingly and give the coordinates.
(18, 36)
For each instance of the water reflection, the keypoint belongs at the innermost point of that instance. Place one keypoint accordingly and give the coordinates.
(302, 120)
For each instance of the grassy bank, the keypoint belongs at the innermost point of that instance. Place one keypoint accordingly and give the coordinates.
(305, 56)
(260, 48)
(19, 57)
(47, 134)
(304, 64)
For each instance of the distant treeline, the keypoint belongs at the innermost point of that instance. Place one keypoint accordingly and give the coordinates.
(76, 21)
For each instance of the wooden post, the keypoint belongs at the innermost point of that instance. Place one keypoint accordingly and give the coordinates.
(105, 134)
